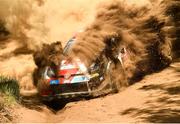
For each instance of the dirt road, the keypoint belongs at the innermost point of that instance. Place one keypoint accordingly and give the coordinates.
(154, 99)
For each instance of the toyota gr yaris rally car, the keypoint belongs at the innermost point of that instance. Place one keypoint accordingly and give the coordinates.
(75, 79)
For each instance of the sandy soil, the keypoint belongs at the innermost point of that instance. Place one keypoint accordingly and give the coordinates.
(154, 99)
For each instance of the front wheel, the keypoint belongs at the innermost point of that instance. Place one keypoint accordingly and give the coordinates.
(116, 74)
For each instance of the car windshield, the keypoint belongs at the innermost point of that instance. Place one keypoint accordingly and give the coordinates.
(68, 45)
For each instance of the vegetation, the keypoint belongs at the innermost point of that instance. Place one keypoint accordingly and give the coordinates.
(9, 94)
(9, 86)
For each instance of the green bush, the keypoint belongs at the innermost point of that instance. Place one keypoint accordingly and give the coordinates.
(9, 86)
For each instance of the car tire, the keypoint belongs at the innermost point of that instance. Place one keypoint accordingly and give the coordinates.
(112, 70)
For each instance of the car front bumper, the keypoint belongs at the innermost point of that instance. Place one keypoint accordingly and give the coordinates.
(66, 95)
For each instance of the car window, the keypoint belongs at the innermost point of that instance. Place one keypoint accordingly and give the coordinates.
(68, 46)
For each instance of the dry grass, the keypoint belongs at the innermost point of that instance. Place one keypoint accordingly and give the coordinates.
(9, 94)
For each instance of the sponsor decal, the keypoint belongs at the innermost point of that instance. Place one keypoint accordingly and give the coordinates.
(54, 82)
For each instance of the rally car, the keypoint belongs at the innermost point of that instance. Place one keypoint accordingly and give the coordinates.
(75, 79)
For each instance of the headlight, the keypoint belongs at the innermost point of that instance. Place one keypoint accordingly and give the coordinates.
(48, 73)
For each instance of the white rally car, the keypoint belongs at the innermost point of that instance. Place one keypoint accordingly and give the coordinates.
(75, 79)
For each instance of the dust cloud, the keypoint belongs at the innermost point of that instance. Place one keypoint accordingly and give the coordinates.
(149, 32)
(31, 23)
(45, 21)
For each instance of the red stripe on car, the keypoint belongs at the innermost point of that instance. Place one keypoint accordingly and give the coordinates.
(68, 71)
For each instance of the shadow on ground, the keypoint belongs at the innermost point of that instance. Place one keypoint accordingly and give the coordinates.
(32, 102)
(35, 103)
(163, 106)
